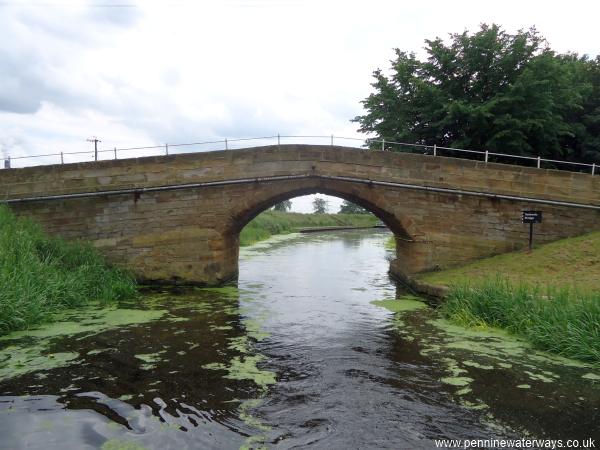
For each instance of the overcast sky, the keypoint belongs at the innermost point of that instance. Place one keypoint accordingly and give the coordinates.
(146, 72)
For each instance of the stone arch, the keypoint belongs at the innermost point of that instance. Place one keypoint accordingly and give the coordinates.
(268, 199)
(264, 195)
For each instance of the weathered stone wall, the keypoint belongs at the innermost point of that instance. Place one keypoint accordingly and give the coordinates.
(192, 234)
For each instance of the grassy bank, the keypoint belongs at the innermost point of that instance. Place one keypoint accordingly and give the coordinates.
(40, 275)
(270, 223)
(551, 296)
(565, 263)
(560, 320)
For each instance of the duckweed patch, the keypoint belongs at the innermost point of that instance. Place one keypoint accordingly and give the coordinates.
(591, 376)
(28, 351)
(89, 321)
(403, 304)
(245, 368)
(150, 359)
(457, 381)
(477, 365)
(253, 330)
(16, 361)
(465, 354)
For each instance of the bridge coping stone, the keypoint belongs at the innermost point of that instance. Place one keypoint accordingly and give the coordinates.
(295, 159)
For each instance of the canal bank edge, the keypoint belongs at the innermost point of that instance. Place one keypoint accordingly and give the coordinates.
(437, 292)
(570, 262)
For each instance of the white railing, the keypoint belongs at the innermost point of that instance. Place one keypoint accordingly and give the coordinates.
(231, 144)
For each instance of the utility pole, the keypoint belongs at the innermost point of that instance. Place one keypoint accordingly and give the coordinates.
(95, 140)
(6, 157)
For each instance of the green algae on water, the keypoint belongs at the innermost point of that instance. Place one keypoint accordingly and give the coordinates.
(239, 344)
(16, 361)
(464, 391)
(254, 422)
(245, 368)
(228, 291)
(29, 350)
(591, 376)
(457, 381)
(253, 329)
(403, 304)
(150, 359)
(539, 377)
(89, 321)
(474, 406)
(248, 418)
(220, 327)
(477, 365)
(98, 351)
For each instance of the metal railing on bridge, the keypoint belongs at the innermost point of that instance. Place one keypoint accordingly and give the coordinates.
(232, 144)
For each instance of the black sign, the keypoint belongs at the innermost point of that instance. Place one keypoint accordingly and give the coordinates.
(531, 217)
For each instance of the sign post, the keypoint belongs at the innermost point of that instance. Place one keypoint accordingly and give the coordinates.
(531, 217)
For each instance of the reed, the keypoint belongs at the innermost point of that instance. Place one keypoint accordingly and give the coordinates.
(561, 320)
(40, 275)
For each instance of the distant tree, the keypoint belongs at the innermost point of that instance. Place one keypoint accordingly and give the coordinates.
(283, 206)
(351, 208)
(507, 93)
(319, 205)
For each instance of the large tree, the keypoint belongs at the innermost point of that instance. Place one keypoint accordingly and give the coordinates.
(351, 208)
(319, 205)
(490, 90)
(283, 206)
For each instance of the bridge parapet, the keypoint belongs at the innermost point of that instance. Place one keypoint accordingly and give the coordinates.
(177, 217)
(292, 160)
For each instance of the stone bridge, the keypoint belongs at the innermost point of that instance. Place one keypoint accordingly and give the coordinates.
(177, 218)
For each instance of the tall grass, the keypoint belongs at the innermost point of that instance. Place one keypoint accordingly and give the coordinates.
(559, 320)
(41, 275)
(276, 222)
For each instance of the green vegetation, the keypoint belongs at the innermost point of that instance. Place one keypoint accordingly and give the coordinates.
(563, 321)
(40, 275)
(283, 206)
(490, 90)
(352, 208)
(550, 296)
(319, 205)
(391, 243)
(573, 262)
(402, 304)
(275, 222)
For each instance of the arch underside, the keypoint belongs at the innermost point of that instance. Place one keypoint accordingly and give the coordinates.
(272, 193)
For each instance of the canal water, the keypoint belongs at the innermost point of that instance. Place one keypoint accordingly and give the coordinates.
(316, 347)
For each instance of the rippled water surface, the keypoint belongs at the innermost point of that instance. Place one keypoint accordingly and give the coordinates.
(305, 352)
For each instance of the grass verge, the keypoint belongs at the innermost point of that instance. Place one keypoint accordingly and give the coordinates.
(40, 275)
(560, 320)
(550, 296)
(270, 223)
(572, 263)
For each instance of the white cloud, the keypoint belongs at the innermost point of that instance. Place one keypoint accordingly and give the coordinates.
(193, 70)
